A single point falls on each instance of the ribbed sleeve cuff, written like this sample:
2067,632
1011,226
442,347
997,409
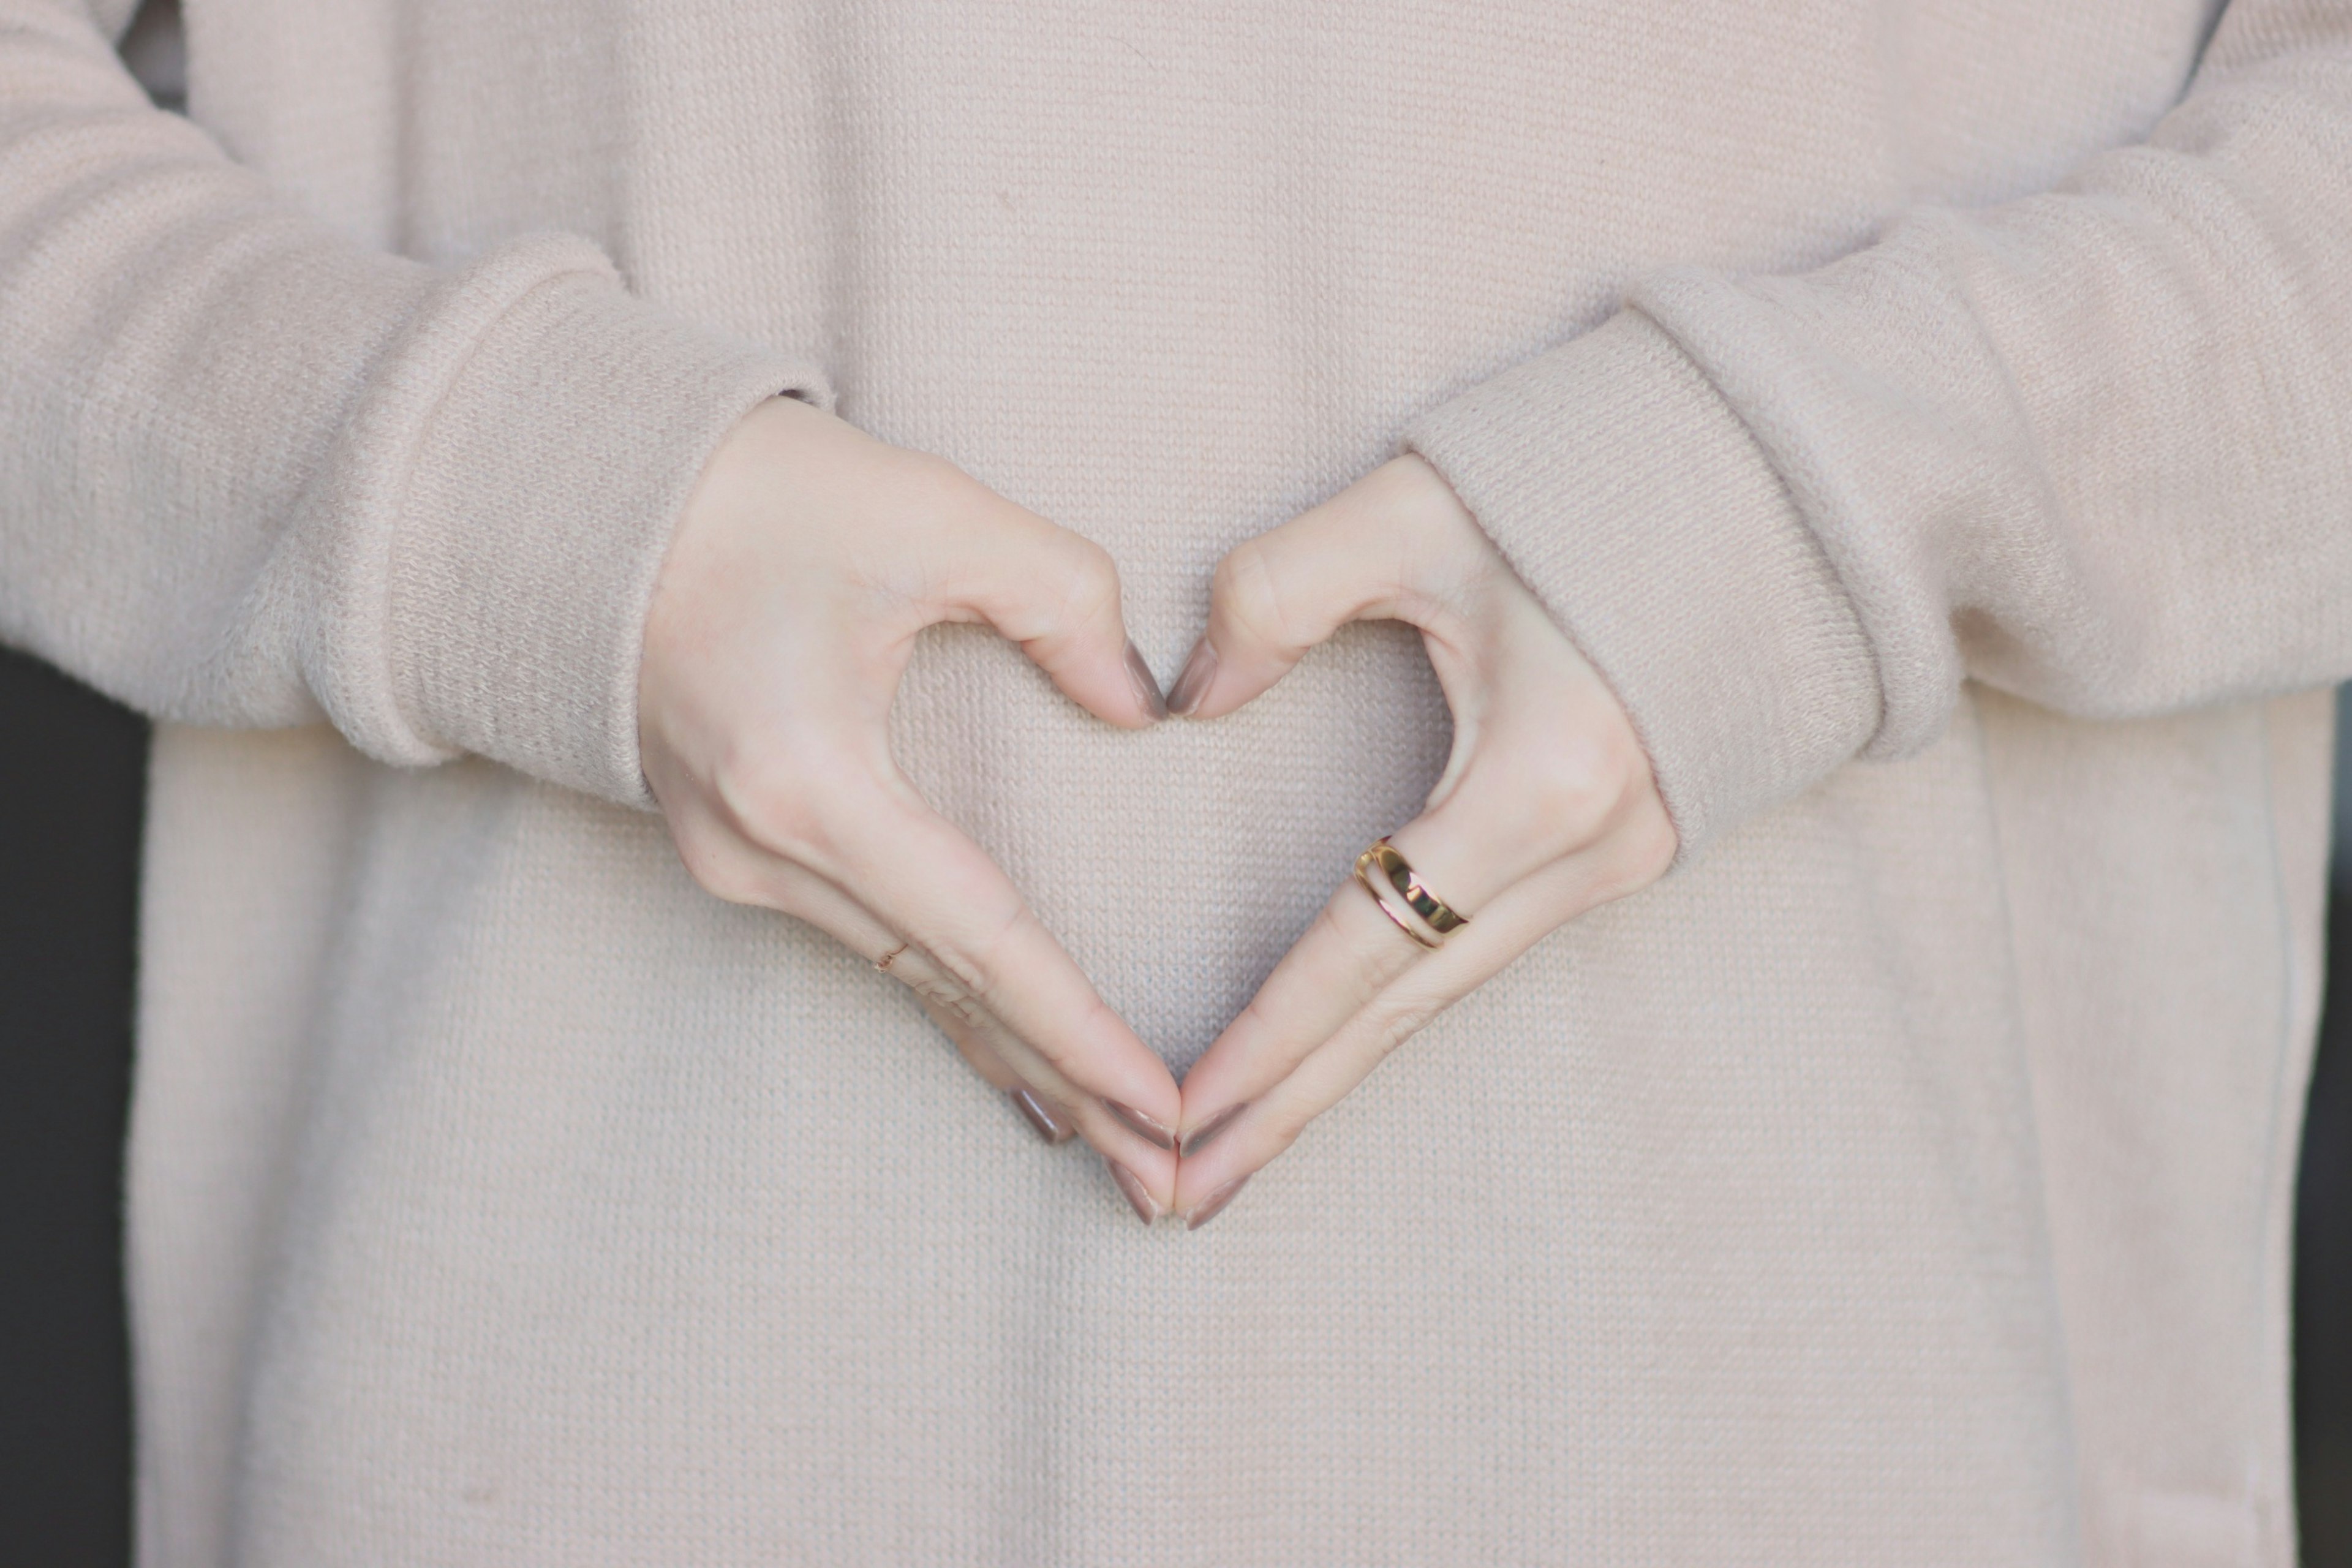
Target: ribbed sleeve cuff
540,500
1629,496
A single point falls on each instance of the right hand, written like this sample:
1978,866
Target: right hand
807,561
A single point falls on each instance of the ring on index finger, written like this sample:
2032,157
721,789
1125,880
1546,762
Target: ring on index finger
1397,888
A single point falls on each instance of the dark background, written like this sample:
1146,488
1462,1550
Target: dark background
72,771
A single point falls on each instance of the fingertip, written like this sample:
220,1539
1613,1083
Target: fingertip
1214,681
1191,1143
1192,683
1041,1116
1147,695
1142,1123
1205,1181
1148,1173
1139,1197
1208,1208
1210,686
1110,677
1210,1084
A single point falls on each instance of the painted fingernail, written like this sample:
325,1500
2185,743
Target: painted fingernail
1198,1139
1147,684
1131,1188
1040,1115
1192,680
1208,1208
1148,1128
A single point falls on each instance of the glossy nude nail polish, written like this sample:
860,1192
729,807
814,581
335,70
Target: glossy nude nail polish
1198,1139
1149,1129
1040,1115
1147,684
1208,1208
1131,1188
1192,680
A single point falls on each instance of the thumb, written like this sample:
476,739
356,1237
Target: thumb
1056,595
1273,597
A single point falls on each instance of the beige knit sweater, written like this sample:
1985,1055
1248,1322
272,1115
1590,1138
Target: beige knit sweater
1902,1180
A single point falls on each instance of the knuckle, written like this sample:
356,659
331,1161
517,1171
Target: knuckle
780,799
1243,588
1646,846
1377,952
1090,579
958,976
717,864
1578,782
946,995
1395,1023
973,965
1386,963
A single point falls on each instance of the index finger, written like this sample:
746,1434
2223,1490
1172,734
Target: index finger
926,878
1342,960
1513,922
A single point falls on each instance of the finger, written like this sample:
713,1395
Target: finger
826,810
1355,961
1364,554
1037,1093
937,541
987,1043
1351,952
755,876
1345,959
805,895
811,899
1146,1182
1056,595
922,877
1475,953
744,872
971,1037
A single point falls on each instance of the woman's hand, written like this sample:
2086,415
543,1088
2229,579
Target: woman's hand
807,561
1546,808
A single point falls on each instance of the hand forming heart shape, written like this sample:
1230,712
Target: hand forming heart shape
1546,808
774,649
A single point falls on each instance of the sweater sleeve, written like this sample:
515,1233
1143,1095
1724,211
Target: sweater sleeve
256,475
2092,448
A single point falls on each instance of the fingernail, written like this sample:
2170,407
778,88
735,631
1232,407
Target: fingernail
1198,1139
1192,680
1131,1188
1142,1126
1040,1115
1207,1208
1147,685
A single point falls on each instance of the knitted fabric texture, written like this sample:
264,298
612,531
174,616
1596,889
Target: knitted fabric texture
1931,417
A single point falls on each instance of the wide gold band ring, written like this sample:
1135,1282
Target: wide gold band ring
1397,888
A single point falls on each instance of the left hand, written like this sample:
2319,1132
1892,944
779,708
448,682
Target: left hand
1547,807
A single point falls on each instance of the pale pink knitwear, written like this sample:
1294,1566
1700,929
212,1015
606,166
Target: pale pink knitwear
1934,416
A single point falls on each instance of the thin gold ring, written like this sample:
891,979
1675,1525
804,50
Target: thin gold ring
887,959
1405,898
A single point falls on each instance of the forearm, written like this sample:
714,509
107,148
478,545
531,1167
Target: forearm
2092,447
256,475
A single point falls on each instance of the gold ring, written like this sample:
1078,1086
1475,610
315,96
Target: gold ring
889,958
1397,888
